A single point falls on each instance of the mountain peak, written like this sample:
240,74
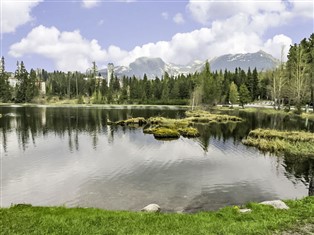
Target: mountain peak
260,60
156,67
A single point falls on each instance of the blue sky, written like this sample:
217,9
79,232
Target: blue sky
69,35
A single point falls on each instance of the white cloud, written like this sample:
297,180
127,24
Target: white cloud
205,11
165,15
90,3
16,13
303,8
178,18
69,50
273,46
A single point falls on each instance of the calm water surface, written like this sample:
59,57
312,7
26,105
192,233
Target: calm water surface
70,156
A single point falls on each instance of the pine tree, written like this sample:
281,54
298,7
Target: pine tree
32,88
255,82
5,89
23,82
244,95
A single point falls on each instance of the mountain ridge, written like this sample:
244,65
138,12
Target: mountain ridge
156,67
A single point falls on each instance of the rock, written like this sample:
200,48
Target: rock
277,204
245,210
151,208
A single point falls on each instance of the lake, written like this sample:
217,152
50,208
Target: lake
70,156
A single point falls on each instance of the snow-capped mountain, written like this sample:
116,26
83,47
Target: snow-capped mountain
156,67
261,60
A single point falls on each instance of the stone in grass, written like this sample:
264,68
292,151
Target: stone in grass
151,208
245,210
277,204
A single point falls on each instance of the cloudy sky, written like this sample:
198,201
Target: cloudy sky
69,35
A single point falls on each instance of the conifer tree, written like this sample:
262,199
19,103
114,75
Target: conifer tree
23,82
244,95
5,89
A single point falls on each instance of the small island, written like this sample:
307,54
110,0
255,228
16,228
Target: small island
166,128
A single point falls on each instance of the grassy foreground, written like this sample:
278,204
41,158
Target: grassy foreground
298,143
23,219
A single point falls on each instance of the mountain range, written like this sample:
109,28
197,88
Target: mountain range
156,67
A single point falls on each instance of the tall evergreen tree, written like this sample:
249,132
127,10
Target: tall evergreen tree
32,89
255,82
244,95
23,82
5,89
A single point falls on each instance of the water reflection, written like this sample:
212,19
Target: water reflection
71,156
302,169
33,122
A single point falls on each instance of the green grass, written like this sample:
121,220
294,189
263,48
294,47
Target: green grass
166,133
296,143
60,220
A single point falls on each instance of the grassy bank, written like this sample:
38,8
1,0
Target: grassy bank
60,220
297,143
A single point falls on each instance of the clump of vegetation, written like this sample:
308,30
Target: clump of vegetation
162,127
166,133
298,143
29,219
189,132
132,121
202,116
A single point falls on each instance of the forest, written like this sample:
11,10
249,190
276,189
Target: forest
290,83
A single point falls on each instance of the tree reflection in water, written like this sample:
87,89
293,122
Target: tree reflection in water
31,123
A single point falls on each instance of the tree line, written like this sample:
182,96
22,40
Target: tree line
291,83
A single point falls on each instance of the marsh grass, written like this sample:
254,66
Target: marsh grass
189,132
270,111
27,219
162,127
298,143
167,133
201,116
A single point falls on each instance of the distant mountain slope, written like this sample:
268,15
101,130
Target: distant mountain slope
156,67
261,60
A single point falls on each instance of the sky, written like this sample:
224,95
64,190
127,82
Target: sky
70,35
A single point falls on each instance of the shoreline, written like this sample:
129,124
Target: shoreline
106,106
